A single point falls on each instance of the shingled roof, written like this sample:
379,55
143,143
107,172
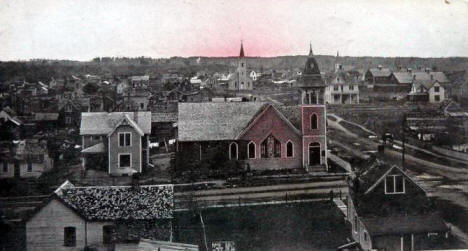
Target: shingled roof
100,123
215,121
408,77
103,203
380,72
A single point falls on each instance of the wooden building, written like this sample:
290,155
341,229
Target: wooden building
389,211
100,217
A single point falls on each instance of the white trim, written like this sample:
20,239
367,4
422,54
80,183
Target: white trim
394,183
125,139
120,154
237,150
292,144
248,150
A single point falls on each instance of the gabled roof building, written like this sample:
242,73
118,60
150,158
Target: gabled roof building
101,216
388,210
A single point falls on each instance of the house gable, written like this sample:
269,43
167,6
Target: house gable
274,119
409,185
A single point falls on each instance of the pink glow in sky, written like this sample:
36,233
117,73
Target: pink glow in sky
83,29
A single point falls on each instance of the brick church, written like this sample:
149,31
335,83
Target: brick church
261,135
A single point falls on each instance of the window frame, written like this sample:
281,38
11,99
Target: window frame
125,139
254,150
437,97
437,89
130,161
29,166
394,191
68,120
69,241
312,125
237,151
292,149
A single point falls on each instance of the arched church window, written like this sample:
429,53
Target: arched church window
251,150
289,149
314,121
271,148
233,150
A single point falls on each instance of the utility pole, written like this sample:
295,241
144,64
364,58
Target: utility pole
403,139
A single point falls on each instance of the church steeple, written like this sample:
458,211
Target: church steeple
241,54
311,53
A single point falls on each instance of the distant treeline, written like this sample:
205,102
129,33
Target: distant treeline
43,69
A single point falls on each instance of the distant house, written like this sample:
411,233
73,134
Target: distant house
135,100
118,140
257,135
139,81
388,210
431,91
379,75
100,217
26,159
70,114
46,121
10,125
342,88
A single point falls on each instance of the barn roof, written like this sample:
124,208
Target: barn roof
410,224
99,123
103,203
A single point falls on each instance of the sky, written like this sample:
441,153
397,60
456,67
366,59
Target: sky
84,29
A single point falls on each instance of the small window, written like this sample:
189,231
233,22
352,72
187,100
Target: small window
437,98
289,149
394,184
68,108
233,150
29,166
365,236
69,236
5,166
335,88
68,120
125,139
251,150
314,121
242,64
125,160
436,89
142,106
351,87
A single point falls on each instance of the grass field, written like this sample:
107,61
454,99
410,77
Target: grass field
305,226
